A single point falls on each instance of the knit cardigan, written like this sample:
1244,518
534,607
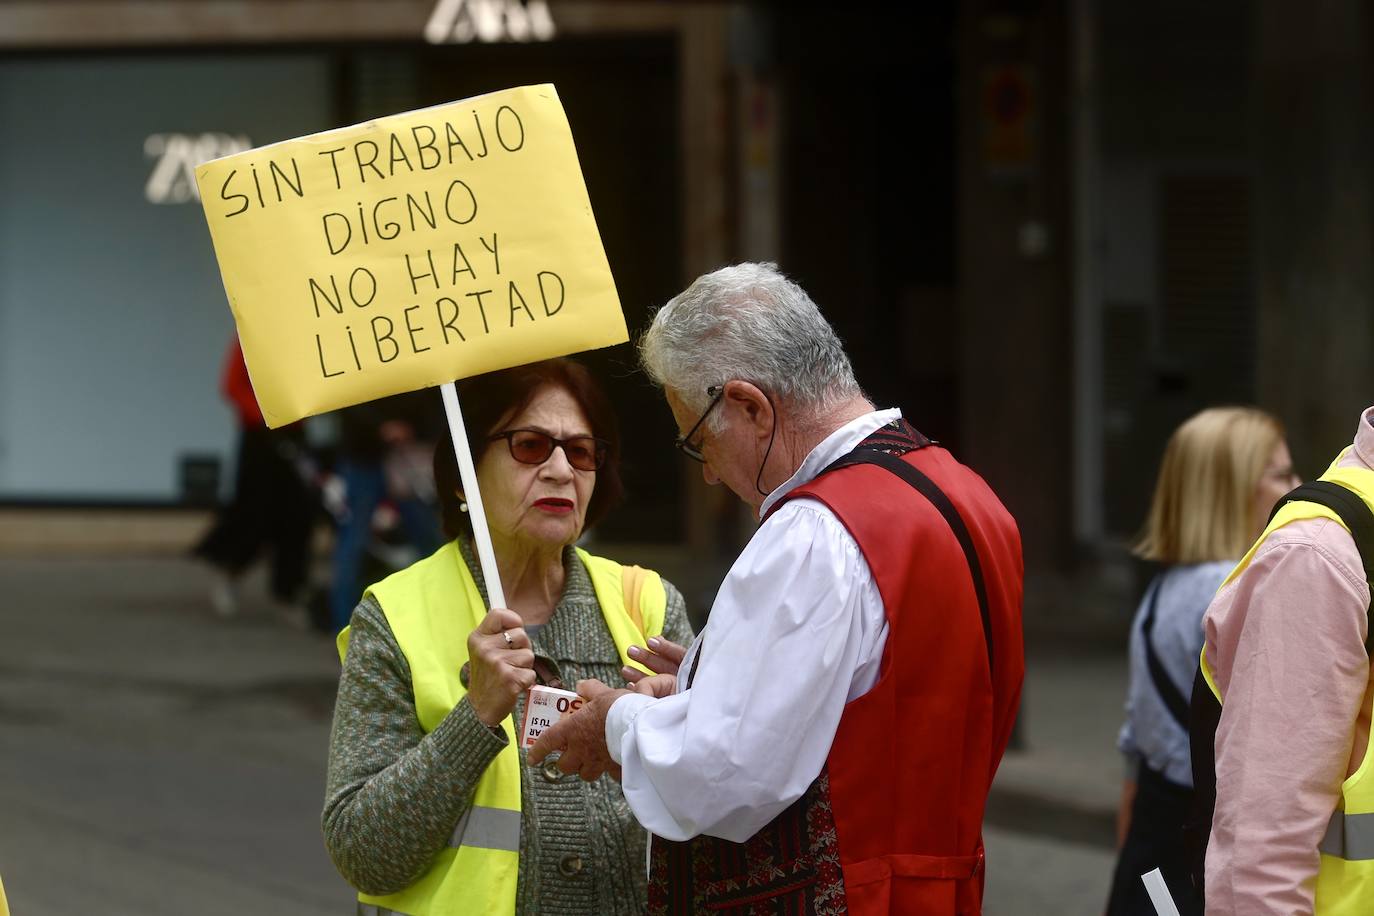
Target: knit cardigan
394,793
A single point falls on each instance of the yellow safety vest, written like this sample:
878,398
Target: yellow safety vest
432,607
1345,882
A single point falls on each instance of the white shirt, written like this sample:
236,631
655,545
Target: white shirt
796,631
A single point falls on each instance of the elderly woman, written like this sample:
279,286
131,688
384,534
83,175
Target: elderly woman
429,807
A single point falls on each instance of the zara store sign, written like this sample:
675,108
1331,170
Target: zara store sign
487,21
175,157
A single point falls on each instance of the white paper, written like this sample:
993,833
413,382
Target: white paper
1159,893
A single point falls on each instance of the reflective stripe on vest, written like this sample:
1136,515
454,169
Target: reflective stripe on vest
432,606
1345,879
1349,836
488,828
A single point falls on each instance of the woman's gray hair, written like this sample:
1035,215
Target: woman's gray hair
747,322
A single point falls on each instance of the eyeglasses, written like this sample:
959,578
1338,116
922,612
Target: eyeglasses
531,446
684,442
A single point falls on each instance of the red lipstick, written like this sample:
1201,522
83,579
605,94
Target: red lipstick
554,504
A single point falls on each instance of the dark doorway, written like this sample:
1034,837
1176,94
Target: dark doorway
621,99
869,193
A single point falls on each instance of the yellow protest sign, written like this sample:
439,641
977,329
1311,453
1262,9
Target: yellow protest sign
409,251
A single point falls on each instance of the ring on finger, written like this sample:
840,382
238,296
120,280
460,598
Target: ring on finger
510,643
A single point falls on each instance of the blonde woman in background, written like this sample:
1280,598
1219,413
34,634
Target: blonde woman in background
1223,471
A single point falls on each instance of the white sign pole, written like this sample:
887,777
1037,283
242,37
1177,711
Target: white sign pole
495,593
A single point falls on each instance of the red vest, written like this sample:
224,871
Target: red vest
914,758
893,824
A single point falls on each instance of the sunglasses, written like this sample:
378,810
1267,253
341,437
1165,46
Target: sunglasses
530,446
684,442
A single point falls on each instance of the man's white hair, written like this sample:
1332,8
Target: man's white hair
747,322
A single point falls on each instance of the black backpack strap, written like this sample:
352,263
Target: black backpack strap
1164,686
1354,512
927,488
1204,717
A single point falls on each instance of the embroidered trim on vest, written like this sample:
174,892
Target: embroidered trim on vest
790,866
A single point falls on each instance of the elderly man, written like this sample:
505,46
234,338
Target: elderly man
830,741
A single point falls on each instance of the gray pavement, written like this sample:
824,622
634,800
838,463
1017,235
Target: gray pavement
155,759
1050,830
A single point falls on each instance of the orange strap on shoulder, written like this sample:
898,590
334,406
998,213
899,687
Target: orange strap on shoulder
632,580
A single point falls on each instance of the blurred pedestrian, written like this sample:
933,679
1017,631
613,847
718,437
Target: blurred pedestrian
831,741
429,808
1287,640
1221,474
376,437
273,506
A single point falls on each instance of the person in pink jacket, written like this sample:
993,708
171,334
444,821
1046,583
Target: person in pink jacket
1285,642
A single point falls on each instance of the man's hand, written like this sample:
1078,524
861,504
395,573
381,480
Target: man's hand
662,656
581,737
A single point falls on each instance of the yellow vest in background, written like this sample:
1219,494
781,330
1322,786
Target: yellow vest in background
1345,882
432,607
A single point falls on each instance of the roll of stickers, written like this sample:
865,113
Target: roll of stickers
544,706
